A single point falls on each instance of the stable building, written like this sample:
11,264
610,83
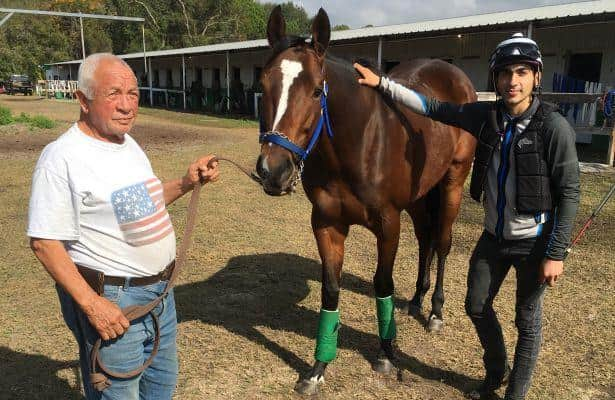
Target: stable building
576,40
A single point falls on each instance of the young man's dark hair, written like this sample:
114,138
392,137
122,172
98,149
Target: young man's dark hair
526,172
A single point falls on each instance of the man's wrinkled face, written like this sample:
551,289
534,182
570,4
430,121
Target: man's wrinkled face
113,109
516,82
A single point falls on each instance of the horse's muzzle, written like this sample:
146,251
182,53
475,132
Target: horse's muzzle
277,175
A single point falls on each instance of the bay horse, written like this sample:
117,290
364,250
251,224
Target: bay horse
376,160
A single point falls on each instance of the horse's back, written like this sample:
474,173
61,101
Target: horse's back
433,148
437,78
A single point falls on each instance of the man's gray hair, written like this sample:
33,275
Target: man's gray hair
88,67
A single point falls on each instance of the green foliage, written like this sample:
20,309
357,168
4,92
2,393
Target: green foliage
341,27
297,20
27,42
35,121
5,116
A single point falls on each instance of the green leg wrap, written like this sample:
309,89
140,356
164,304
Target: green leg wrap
386,317
326,339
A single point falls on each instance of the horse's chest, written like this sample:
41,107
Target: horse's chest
337,202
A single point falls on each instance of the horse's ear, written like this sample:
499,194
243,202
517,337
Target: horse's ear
321,32
276,27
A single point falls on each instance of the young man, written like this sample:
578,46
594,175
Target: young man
98,224
526,172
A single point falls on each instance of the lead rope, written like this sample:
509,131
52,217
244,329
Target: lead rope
99,380
250,174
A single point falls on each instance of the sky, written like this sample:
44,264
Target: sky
358,13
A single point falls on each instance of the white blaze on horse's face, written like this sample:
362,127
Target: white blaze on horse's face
290,71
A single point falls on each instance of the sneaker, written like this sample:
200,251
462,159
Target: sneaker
486,390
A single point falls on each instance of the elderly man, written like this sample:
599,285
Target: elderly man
99,226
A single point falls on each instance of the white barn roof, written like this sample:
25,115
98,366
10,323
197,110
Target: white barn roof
545,13
580,9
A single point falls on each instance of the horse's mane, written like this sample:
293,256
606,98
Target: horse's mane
344,72
300,42
288,42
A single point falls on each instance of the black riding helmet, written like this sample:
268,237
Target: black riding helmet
516,49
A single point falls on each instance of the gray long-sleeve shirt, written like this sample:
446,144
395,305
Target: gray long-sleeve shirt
561,156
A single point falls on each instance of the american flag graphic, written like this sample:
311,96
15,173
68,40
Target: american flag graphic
140,212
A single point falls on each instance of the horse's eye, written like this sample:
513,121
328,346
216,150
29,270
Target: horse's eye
317,93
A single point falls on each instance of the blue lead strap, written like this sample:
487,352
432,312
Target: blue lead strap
324,119
325,110
272,137
280,141
314,138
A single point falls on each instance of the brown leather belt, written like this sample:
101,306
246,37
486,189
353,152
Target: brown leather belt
97,279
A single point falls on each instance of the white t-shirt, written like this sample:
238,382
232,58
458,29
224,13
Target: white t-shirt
103,201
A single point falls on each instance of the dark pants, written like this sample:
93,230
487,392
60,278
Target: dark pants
489,265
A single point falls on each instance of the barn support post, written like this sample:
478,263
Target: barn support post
611,155
149,81
228,82
380,52
530,30
144,52
184,79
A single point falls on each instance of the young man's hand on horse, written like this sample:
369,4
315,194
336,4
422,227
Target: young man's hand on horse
107,318
369,78
550,270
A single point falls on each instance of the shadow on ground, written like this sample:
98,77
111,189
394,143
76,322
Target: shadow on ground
265,290
32,376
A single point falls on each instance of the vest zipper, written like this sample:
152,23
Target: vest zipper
502,174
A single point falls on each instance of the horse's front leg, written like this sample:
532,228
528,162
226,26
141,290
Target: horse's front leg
330,238
387,234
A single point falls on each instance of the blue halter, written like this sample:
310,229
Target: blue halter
283,141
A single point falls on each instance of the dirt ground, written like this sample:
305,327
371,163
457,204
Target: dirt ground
249,297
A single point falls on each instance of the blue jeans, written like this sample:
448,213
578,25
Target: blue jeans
129,351
489,265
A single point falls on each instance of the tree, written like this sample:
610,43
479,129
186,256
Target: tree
28,41
341,27
297,20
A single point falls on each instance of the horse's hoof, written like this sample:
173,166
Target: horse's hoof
414,310
309,386
383,366
435,324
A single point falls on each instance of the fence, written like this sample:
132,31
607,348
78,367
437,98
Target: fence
58,89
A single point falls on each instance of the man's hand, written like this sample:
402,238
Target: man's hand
550,270
368,77
106,318
203,170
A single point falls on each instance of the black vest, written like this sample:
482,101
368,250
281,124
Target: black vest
532,167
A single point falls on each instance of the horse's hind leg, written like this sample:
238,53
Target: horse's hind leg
330,240
451,190
387,233
424,226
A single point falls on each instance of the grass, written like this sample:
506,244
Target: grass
249,297
198,119
34,121
5,116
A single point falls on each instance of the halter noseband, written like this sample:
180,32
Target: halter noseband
284,141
